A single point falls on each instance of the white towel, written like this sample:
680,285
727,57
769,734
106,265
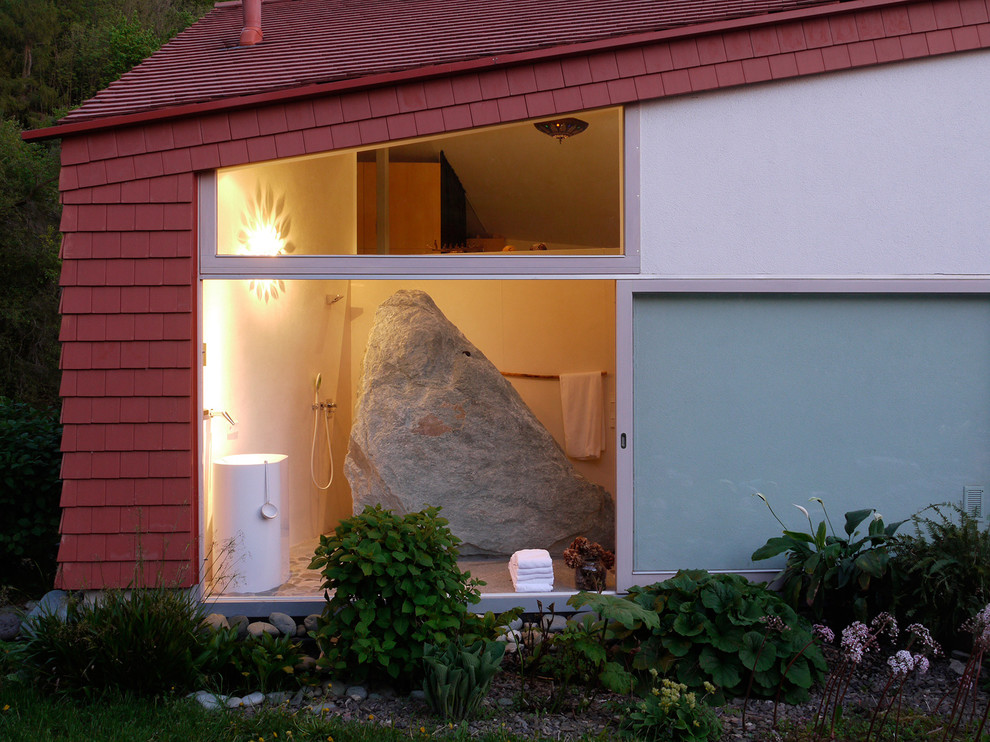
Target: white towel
543,574
529,574
533,587
531,558
531,571
581,401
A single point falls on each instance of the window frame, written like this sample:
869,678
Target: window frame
212,265
625,294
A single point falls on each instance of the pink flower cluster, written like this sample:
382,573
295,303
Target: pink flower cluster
857,641
924,638
979,627
823,633
774,623
903,662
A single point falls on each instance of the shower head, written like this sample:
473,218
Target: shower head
319,381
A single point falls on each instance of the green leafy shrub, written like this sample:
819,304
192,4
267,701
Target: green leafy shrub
837,578
944,572
588,650
392,585
29,492
669,711
231,665
711,628
144,642
457,677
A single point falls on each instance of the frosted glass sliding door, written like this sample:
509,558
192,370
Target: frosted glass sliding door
862,400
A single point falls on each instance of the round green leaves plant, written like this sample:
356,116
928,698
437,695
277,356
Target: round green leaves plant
392,585
716,628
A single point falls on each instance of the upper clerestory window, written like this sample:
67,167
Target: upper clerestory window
538,190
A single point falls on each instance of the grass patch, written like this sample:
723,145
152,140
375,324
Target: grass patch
914,726
27,715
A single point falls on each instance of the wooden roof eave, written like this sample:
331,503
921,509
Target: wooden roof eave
288,94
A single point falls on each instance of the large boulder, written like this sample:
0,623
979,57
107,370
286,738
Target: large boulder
437,424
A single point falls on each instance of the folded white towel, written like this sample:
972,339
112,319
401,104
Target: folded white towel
531,571
531,575
533,587
531,558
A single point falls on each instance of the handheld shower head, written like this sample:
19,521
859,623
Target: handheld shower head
319,381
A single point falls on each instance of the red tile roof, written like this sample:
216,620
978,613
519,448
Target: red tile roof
308,42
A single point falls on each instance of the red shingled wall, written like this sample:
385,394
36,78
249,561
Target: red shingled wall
129,254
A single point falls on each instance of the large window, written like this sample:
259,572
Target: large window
507,193
862,400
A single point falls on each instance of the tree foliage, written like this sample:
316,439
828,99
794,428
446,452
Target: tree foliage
53,56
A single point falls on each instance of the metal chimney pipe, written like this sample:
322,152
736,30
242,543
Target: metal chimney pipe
251,33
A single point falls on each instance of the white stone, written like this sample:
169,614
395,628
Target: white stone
254,699
437,424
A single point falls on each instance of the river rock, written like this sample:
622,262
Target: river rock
437,424
312,622
216,622
10,625
283,622
52,603
257,628
240,623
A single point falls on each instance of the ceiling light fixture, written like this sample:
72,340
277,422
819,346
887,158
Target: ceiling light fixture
561,129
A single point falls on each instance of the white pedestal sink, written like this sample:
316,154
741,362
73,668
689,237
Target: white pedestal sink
251,521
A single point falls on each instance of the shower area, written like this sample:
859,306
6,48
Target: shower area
282,373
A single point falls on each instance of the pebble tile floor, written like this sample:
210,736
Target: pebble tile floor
305,582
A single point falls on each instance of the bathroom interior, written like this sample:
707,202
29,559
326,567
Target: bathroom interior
282,357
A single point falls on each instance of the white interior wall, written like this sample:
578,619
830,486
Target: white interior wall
879,171
312,200
262,362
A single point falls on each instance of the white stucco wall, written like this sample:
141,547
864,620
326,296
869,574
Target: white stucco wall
881,171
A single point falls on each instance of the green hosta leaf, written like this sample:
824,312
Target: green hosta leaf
723,668
727,640
800,674
689,623
757,652
720,597
677,645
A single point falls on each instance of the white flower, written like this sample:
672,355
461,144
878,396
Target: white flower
857,641
921,664
902,662
823,633
803,510
877,516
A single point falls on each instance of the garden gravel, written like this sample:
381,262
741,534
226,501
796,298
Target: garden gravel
510,708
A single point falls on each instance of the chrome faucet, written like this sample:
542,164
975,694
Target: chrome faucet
220,413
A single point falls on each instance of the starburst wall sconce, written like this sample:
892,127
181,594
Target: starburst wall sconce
265,232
